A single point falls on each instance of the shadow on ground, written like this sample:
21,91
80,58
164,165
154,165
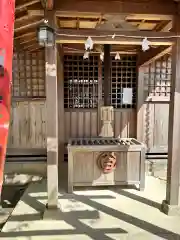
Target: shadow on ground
11,194
74,218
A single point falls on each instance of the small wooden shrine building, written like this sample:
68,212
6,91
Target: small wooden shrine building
48,109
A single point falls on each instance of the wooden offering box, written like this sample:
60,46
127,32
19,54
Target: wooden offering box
105,161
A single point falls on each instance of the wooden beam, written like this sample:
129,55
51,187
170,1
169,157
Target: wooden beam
167,8
22,18
36,49
107,72
29,46
30,25
39,12
36,13
153,54
116,7
29,34
28,41
151,17
27,4
122,37
167,28
170,205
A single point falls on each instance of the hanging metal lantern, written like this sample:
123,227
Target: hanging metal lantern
46,36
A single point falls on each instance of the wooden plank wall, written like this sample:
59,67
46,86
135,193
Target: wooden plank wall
124,123
28,125
157,84
28,112
84,123
156,126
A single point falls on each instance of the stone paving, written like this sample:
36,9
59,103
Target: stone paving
94,213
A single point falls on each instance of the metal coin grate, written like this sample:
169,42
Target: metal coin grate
103,141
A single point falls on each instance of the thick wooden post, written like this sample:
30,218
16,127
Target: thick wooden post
60,82
107,72
170,205
140,105
52,120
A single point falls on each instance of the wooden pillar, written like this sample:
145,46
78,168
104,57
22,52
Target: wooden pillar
107,75
100,100
60,83
140,105
170,205
52,120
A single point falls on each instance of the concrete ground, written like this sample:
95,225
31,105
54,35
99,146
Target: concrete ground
94,213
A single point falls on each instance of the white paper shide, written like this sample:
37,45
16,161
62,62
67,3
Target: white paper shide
127,95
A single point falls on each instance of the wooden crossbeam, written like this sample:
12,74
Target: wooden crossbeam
105,6
150,9
60,13
153,54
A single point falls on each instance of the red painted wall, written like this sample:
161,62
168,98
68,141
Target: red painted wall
7,15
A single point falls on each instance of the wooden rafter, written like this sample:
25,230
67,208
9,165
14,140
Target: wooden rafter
160,26
29,34
29,25
27,4
167,28
153,54
33,45
35,49
27,41
23,18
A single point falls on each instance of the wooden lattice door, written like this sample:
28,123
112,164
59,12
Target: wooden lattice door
80,96
157,84
84,94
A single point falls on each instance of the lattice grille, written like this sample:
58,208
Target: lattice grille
28,75
157,80
80,81
123,75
